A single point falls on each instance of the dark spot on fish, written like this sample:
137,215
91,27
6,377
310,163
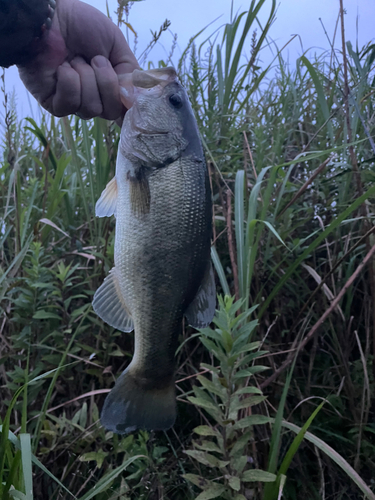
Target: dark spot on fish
176,101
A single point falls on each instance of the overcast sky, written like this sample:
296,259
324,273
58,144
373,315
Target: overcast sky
188,17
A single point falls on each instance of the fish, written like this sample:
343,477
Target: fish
162,272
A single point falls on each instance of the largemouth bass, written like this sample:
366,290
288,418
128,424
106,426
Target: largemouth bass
161,198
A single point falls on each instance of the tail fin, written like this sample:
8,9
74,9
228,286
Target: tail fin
129,406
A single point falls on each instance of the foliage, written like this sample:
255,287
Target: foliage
293,202
229,400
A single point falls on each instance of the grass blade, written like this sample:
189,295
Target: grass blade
25,444
239,216
220,271
320,92
336,457
13,439
105,481
334,224
297,442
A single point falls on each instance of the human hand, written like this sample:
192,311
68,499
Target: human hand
76,69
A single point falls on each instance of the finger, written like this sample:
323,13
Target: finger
67,98
108,41
121,57
91,104
107,81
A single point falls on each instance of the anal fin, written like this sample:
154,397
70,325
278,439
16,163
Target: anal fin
109,304
106,205
202,309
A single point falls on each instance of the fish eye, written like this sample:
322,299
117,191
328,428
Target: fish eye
176,101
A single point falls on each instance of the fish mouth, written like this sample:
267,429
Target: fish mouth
151,82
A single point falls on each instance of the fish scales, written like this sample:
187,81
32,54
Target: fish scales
160,261
162,199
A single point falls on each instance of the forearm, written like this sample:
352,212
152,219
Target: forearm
22,24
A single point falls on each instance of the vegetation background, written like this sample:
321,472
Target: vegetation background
276,399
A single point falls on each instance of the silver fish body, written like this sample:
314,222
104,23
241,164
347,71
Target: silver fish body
162,201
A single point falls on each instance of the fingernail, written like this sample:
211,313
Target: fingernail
100,62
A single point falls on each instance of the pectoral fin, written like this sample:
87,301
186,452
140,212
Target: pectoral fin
106,205
202,309
140,193
109,304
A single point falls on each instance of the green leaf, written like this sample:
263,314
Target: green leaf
239,211
234,483
206,459
258,475
205,430
42,314
274,232
76,164
293,448
199,481
243,423
246,402
241,443
26,455
15,264
248,390
336,457
212,347
209,332
250,371
214,387
248,358
220,271
320,93
243,335
213,492
203,404
211,368
269,490
208,446
13,439
25,222
97,456
17,494
249,347
239,463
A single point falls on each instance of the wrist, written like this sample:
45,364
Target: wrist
23,25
